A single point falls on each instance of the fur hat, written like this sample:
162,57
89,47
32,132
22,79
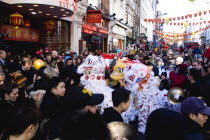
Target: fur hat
50,72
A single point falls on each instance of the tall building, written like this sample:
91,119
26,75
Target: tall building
148,11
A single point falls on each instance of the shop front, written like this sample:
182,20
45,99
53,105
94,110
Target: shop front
93,39
119,38
129,37
29,26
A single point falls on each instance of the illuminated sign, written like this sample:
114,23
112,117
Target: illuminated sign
94,16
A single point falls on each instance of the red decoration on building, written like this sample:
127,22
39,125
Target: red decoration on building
94,16
49,26
20,34
26,23
103,31
16,19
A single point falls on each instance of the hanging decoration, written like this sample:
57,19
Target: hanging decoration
167,21
16,20
49,26
175,35
26,23
180,17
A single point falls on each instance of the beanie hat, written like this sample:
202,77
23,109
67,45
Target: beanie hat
19,79
164,74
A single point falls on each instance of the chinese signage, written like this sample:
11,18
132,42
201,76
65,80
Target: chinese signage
103,31
93,30
94,16
20,34
89,27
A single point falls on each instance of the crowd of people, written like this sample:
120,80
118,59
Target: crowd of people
49,103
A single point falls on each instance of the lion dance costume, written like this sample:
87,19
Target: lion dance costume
93,79
145,94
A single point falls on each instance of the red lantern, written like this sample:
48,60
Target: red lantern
186,16
190,24
145,20
174,23
182,17
200,13
193,23
200,23
178,18
204,22
171,23
26,23
16,19
49,25
195,15
181,23
209,21
170,19
178,24
174,18
204,12
190,15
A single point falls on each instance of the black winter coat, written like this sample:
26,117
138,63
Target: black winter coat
53,113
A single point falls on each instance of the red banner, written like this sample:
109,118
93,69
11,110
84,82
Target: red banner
94,16
103,31
87,31
89,27
20,34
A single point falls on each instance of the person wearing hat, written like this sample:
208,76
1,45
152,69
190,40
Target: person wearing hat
146,60
195,113
164,84
82,100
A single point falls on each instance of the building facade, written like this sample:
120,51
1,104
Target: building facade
62,24
30,25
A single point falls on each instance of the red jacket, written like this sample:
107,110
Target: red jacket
178,80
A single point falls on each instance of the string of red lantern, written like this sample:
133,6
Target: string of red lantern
177,18
184,34
182,23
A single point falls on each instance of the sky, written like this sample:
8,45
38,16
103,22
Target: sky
182,7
